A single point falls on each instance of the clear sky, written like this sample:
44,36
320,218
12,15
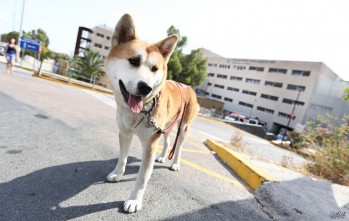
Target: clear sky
301,30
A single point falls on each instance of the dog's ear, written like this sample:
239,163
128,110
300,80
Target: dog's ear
167,46
124,32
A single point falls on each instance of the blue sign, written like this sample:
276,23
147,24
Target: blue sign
30,44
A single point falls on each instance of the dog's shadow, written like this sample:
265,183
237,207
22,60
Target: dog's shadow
37,195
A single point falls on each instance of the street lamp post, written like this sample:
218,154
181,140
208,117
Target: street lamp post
20,27
292,113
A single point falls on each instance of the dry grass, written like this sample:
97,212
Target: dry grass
237,141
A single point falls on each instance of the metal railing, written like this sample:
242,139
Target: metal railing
73,76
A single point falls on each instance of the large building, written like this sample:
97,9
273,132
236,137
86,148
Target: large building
275,91
95,39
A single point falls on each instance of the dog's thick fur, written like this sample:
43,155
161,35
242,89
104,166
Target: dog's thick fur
142,69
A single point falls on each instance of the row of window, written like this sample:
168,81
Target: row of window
268,83
265,96
261,69
224,66
222,76
101,46
102,36
248,105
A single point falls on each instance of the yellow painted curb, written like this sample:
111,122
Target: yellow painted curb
70,84
251,174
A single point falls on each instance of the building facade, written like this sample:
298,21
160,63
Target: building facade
285,94
96,39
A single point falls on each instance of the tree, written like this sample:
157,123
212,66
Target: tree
346,94
91,64
8,36
194,69
188,69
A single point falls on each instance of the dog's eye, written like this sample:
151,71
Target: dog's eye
154,69
135,61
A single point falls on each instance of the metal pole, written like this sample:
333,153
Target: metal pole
293,109
20,28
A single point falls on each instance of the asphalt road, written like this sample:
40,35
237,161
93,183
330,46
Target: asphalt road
58,143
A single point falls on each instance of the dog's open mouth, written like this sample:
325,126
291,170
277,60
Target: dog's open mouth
134,102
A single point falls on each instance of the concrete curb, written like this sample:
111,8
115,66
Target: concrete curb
251,174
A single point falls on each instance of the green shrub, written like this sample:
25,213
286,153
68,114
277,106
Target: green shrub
332,148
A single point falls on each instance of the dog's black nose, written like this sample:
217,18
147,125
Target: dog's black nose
143,88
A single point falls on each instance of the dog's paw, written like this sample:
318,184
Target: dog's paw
175,167
114,177
132,206
160,159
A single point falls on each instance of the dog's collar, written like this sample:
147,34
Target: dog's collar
148,113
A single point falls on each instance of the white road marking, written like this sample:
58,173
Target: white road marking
107,99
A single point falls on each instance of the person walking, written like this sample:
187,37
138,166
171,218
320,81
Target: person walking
11,55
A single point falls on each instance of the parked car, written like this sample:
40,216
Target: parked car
2,51
240,117
282,135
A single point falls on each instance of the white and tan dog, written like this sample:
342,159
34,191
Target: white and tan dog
147,104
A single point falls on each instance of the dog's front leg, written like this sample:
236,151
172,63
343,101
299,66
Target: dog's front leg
134,203
124,141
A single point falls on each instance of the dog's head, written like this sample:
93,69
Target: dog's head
136,69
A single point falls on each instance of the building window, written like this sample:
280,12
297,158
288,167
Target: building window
249,92
228,99
222,76
270,97
266,110
224,66
289,101
108,38
273,84
284,115
239,67
252,81
301,73
207,94
233,89
295,87
100,35
277,71
219,86
211,74
216,96
209,84
98,45
212,65
245,104
106,47
253,68
235,78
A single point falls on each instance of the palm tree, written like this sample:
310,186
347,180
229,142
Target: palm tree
91,64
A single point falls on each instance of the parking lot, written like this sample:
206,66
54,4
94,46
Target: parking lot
59,143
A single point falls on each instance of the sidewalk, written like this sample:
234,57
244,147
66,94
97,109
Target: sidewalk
299,197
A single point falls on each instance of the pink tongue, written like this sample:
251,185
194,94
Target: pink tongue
135,103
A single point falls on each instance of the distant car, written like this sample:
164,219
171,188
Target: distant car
282,135
2,51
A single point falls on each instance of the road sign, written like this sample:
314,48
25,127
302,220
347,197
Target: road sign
30,44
